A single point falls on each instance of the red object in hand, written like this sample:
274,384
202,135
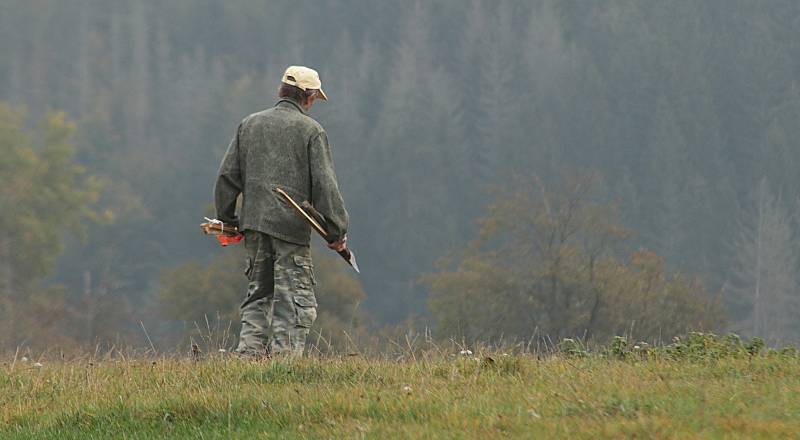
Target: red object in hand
225,240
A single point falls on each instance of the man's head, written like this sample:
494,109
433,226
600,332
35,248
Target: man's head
303,85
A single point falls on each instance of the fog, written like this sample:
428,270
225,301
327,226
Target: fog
686,111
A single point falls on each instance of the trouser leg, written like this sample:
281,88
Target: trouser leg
256,310
295,306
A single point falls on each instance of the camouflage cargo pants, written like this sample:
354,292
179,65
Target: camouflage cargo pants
280,306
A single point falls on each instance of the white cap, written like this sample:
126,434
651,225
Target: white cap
303,78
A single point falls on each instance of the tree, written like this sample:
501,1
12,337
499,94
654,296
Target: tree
766,297
44,196
545,262
667,168
681,106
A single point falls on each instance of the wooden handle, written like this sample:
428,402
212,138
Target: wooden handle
317,227
217,229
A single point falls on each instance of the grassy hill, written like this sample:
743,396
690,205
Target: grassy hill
566,395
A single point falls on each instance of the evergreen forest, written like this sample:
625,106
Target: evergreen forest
511,168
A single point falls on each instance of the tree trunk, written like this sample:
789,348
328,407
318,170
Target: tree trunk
757,323
6,270
90,305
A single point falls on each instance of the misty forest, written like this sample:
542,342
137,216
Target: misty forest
512,169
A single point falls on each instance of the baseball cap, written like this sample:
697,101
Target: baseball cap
303,78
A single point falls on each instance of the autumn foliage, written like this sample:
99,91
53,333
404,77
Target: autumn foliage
554,264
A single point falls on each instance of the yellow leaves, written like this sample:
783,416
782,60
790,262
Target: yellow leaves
647,260
107,216
58,131
545,260
44,194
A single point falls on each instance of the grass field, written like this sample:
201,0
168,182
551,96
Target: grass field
437,396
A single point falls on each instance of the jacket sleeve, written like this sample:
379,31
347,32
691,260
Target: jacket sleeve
229,183
325,195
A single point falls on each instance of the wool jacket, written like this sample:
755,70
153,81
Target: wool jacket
281,147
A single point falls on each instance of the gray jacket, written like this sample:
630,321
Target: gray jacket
281,147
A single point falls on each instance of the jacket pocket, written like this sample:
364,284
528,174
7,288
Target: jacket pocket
305,310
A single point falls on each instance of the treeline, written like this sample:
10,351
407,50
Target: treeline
687,110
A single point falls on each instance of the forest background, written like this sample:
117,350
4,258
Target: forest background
681,118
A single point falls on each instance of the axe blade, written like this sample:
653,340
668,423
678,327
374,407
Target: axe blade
317,222
351,259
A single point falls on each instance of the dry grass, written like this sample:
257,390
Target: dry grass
438,396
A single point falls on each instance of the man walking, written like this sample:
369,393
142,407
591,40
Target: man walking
281,147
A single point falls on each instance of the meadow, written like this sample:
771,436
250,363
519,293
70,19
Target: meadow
622,391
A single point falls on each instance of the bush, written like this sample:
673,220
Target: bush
695,346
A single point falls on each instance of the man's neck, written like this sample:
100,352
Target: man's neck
303,109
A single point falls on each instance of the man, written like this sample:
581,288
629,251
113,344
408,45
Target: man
281,147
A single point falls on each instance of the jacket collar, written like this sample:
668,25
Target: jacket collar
289,103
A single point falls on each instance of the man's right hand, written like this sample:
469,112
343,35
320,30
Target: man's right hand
339,245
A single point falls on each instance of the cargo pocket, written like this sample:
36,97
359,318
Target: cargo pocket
305,310
305,276
248,268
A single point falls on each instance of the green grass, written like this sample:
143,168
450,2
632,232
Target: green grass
441,396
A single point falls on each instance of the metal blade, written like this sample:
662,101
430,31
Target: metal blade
353,262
